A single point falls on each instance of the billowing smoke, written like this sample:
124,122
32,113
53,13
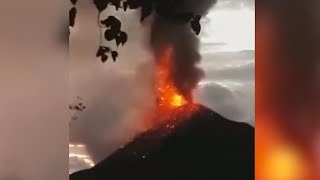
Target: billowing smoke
179,36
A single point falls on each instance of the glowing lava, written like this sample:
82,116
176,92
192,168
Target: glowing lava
178,100
168,96
171,104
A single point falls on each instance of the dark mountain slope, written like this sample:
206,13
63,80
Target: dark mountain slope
203,146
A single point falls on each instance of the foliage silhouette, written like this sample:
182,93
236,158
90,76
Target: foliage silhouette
195,24
112,26
79,106
114,55
100,4
72,16
74,2
112,22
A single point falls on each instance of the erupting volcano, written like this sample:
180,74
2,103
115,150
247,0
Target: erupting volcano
187,140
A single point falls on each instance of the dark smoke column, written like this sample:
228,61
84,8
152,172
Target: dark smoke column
169,29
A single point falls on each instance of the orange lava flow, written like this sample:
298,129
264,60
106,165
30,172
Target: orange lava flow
169,101
167,94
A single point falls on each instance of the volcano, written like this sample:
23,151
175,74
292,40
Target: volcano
199,146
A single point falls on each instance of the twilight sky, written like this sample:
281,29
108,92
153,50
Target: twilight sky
227,48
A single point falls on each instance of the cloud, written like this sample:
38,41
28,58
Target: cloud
228,87
242,73
235,104
235,66
225,56
234,4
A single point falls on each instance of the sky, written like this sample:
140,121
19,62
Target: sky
227,49
227,46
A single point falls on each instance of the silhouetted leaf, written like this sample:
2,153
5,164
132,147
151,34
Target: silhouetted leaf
145,12
107,49
195,24
118,40
102,50
73,1
114,55
125,6
112,22
133,4
116,3
101,4
110,34
122,38
72,16
104,58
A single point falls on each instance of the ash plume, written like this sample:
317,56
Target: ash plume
167,31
